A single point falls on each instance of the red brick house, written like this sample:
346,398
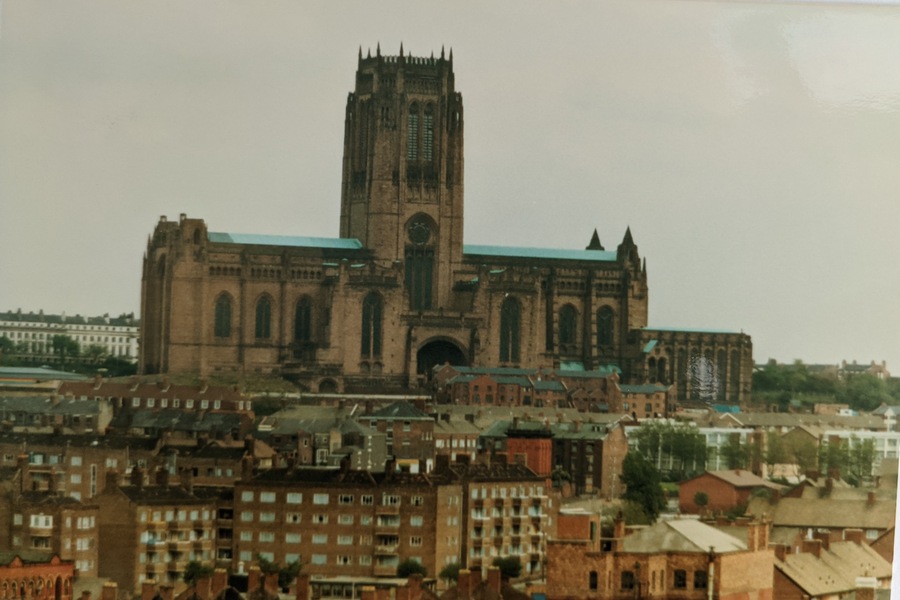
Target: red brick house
35,576
680,558
724,490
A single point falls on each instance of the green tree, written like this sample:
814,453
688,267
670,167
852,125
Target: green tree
865,392
559,476
860,460
94,354
642,483
735,453
195,571
510,566
676,449
776,451
64,347
411,566
450,573
701,499
286,574
802,451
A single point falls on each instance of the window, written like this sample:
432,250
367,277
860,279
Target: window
320,498
320,519
568,325
292,538
371,326
367,500
344,559
247,516
320,538
412,133
303,320
294,498
345,519
345,540
627,580
390,500
592,580
267,497
246,536
679,579
428,133
292,517
345,499
415,540
266,517
266,537
416,520
419,269
510,317
246,496
264,318
604,327
365,560
700,580
223,316
41,521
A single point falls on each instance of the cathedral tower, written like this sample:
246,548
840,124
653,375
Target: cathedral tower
402,187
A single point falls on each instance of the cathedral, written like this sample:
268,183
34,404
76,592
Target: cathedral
398,292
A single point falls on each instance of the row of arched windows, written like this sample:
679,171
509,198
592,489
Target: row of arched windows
420,133
511,321
263,318
35,587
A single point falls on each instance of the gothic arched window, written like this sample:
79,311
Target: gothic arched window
420,262
412,132
223,316
303,320
371,326
264,318
510,323
604,327
568,325
428,134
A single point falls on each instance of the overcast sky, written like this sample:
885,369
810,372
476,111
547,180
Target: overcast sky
753,148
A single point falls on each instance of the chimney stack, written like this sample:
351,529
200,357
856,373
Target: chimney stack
812,547
464,585
494,579
303,592
854,535
110,591
870,499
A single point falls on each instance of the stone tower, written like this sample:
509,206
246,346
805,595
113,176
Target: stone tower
402,186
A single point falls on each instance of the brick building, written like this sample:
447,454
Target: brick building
34,575
348,523
724,490
50,523
590,453
681,558
409,433
398,292
151,532
72,465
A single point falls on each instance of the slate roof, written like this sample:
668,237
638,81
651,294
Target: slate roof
26,556
836,513
178,420
681,535
117,442
835,570
791,420
399,410
160,494
741,478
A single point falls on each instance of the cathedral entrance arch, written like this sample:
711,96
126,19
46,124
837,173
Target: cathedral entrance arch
437,352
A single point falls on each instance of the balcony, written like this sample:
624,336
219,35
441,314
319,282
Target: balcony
387,509
386,550
385,570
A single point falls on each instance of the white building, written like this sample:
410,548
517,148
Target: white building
32,332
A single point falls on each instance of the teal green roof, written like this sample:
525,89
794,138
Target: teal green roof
297,241
545,253
649,346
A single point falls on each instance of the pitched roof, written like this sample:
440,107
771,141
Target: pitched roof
681,535
741,478
835,570
296,241
514,252
836,513
398,410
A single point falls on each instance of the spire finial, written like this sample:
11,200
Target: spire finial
628,239
595,242
401,49
442,52
378,49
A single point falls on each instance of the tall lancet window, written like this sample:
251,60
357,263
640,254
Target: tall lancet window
510,322
420,262
371,326
412,133
428,133
223,316
264,318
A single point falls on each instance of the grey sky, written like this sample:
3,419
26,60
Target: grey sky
752,147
